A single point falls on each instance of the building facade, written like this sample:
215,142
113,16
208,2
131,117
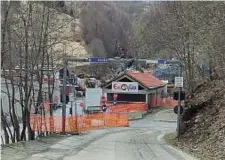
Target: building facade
135,87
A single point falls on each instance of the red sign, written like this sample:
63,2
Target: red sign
103,99
81,104
115,95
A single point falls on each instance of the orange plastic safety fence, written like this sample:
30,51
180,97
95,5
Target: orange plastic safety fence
132,107
128,107
81,123
163,102
116,120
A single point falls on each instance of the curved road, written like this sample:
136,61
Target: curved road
140,141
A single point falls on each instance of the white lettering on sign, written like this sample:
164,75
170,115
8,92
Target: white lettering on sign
178,81
125,86
71,97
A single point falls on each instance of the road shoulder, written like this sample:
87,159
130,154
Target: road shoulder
170,143
24,149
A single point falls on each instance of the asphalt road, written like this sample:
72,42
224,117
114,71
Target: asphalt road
140,141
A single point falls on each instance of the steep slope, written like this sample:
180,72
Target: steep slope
205,134
62,31
69,38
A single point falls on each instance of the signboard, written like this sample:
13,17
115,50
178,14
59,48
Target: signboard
161,61
124,87
178,81
98,60
104,107
175,109
71,97
176,95
78,107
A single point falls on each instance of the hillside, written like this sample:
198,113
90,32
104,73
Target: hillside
69,37
63,32
205,132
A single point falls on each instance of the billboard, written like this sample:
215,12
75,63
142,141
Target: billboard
124,87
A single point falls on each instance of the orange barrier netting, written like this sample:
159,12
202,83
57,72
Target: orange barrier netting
163,102
140,106
128,107
80,123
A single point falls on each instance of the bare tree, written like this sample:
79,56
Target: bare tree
185,31
30,32
9,80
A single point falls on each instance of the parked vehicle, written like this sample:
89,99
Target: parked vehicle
92,100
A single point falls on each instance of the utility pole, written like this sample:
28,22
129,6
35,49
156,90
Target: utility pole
179,105
76,118
64,97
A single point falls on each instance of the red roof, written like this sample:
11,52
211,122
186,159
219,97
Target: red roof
146,78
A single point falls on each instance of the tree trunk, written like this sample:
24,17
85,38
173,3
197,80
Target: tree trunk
23,133
10,106
31,133
3,120
14,116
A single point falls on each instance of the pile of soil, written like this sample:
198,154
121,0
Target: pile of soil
204,135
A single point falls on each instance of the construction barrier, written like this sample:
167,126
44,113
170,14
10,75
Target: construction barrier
140,106
162,102
128,107
80,123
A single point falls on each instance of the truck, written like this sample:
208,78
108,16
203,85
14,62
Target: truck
93,100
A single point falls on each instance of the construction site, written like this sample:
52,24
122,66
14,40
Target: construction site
131,94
